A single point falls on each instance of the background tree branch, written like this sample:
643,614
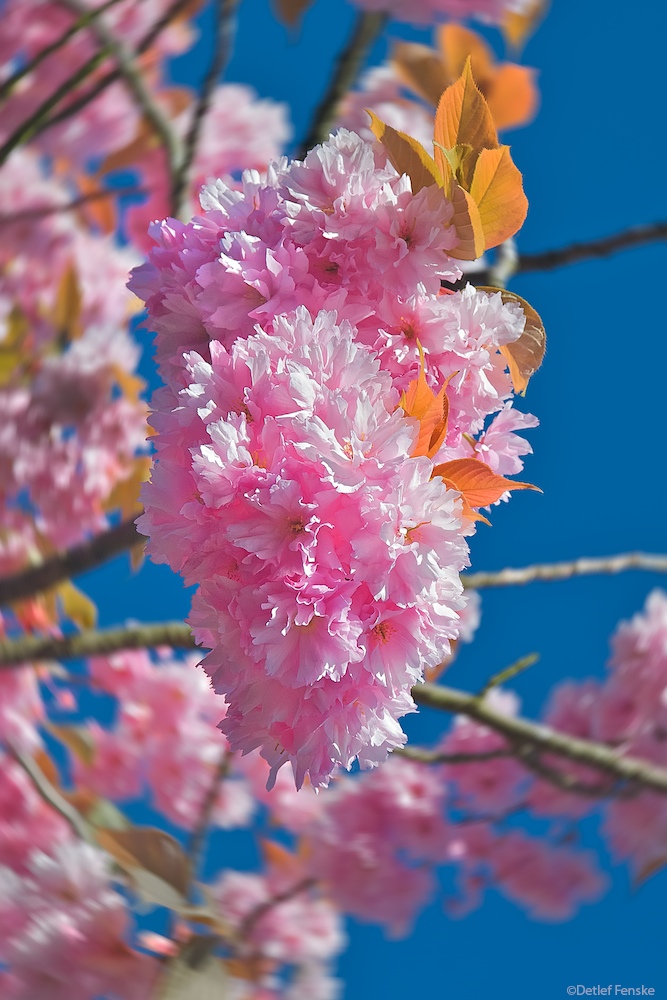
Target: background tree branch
225,22
77,560
367,28
566,570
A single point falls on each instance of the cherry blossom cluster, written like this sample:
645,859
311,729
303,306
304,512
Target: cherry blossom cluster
69,430
289,317
302,931
163,739
64,929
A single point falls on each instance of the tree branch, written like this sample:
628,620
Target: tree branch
282,897
32,125
566,570
29,67
196,845
40,211
539,738
95,642
367,27
136,84
550,259
61,567
172,12
222,45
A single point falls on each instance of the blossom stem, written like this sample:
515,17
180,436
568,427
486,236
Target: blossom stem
225,27
29,67
566,570
368,26
77,560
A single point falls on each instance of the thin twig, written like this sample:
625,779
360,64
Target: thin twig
198,838
40,211
566,782
547,260
368,26
520,732
423,756
566,570
30,66
94,642
282,897
509,672
172,12
136,84
32,125
224,11
77,560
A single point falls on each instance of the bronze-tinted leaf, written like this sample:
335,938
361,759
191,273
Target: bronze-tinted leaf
456,44
406,154
467,223
420,69
155,862
517,25
525,355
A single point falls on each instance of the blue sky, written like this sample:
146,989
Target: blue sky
593,164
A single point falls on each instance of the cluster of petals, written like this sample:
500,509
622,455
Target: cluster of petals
628,710
289,317
64,928
68,432
239,132
300,929
164,738
380,837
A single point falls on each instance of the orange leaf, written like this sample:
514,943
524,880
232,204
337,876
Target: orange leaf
517,26
525,355
432,412
467,223
456,44
67,307
512,96
463,118
406,154
478,485
497,190
100,209
420,69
